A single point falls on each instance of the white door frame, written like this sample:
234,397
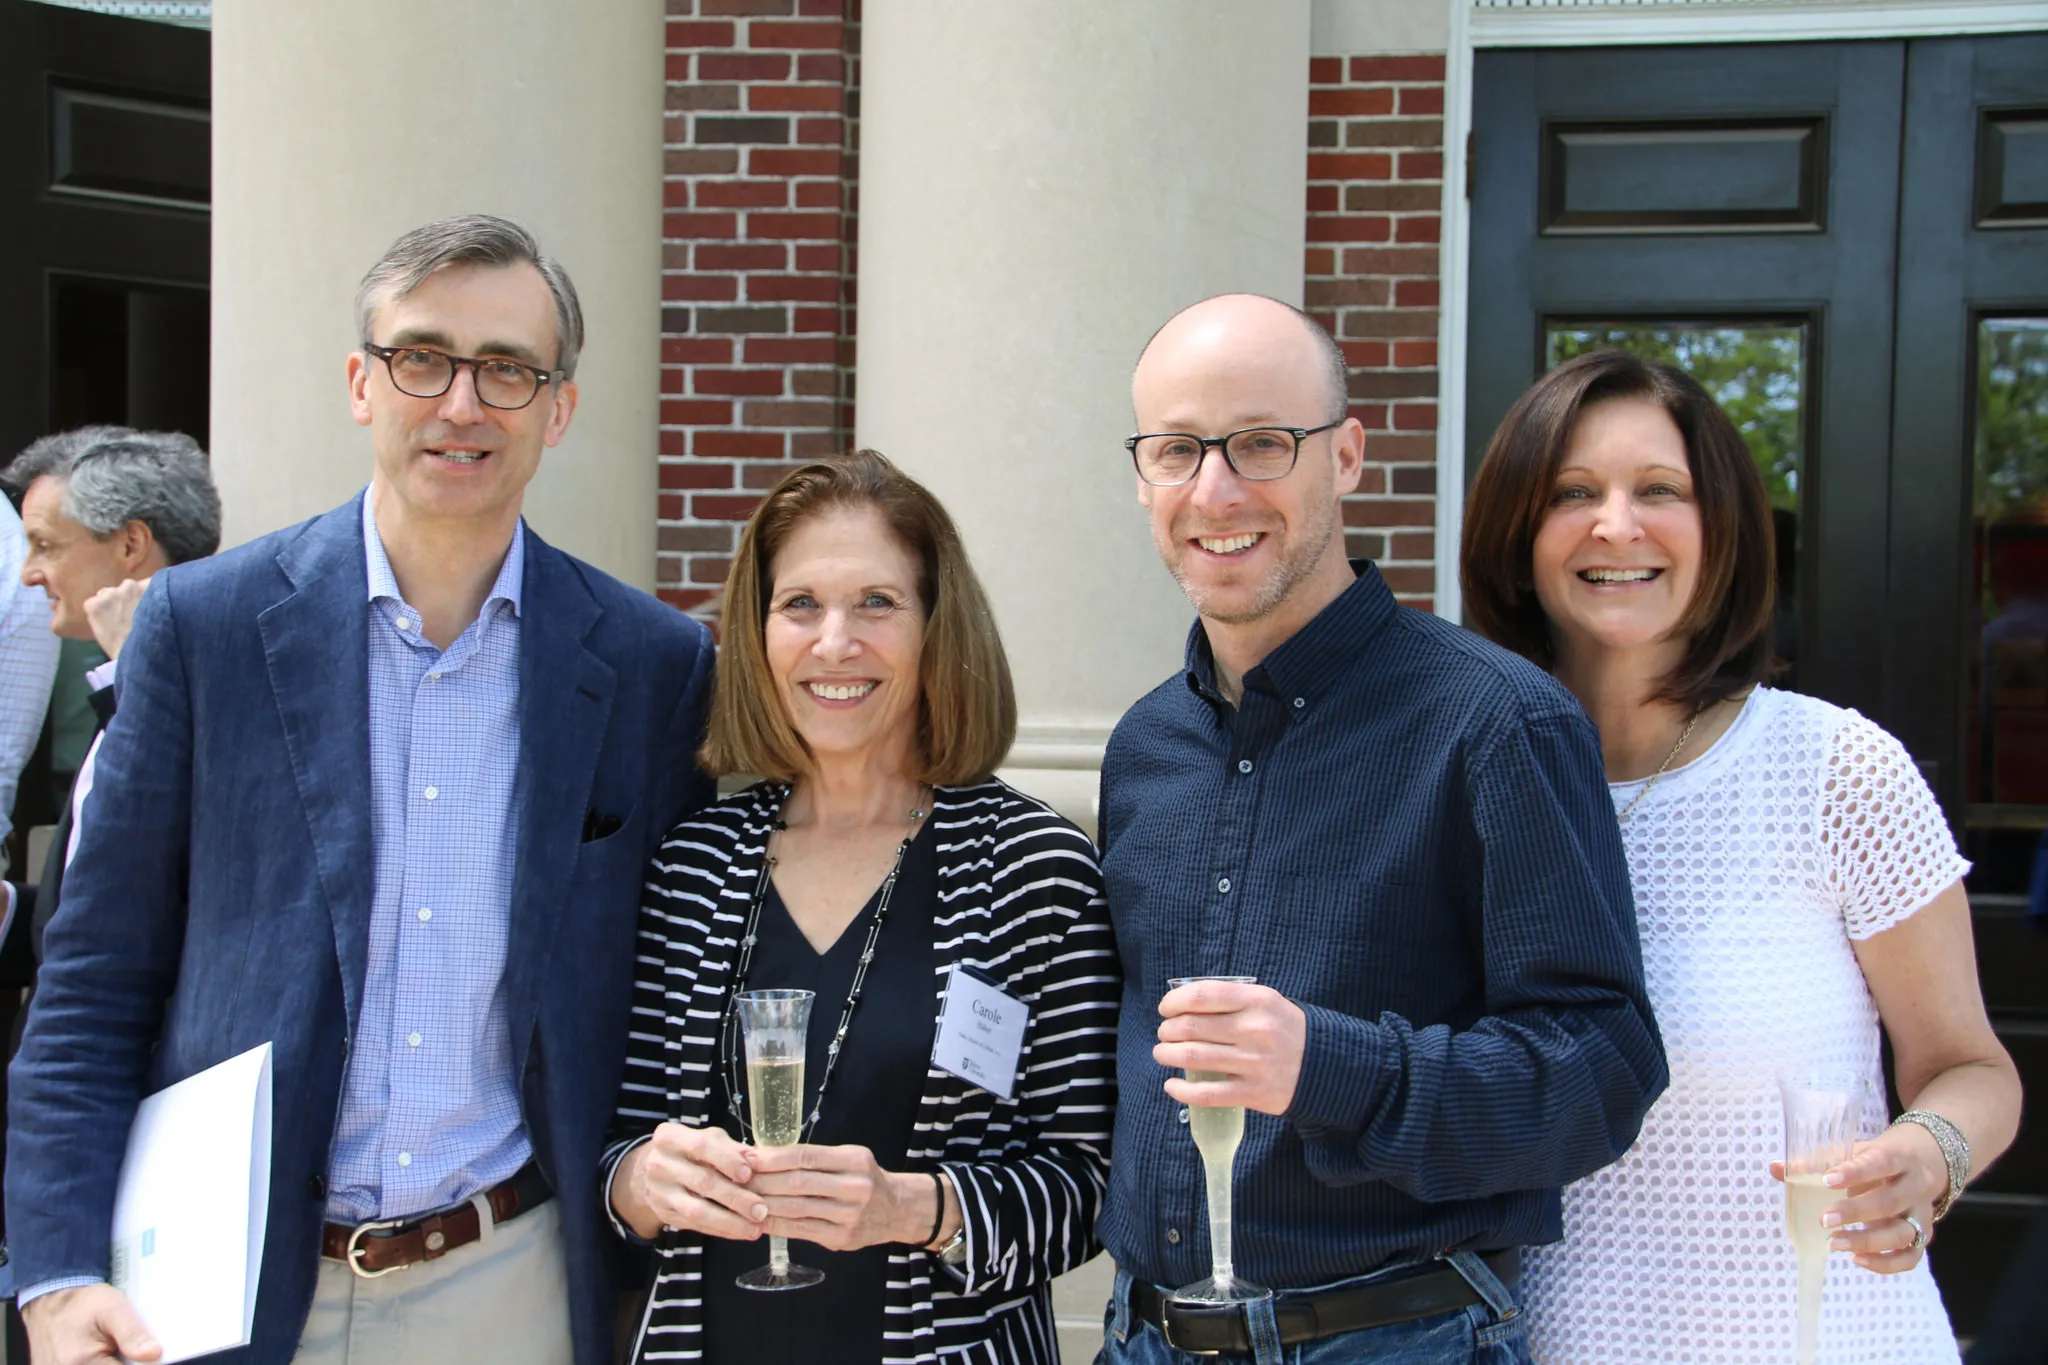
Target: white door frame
1604,23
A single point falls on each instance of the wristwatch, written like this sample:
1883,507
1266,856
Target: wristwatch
954,1252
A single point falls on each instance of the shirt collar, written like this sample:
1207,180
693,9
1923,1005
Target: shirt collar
1307,662
384,583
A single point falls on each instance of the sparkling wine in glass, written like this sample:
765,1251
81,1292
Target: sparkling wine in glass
772,1029
1217,1130
1822,1108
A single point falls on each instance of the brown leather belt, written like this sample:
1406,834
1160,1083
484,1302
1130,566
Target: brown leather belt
1216,1328
372,1249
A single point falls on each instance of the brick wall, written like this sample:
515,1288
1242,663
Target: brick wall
758,320
1375,177
757,270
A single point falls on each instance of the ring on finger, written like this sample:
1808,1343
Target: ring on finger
1919,1232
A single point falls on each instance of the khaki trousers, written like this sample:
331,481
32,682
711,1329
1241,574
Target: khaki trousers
504,1298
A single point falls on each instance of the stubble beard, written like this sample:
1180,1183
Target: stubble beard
1298,559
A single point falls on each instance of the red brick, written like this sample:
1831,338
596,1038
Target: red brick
694,98
1414,417
1415,293
1319,260
792,350
817,445
685,599
675,194
1346,228
1372,416
787,414
1422,99
818,320
677,67
816,132
669,506
696,35
814,383
793,288
1422,166
817,194
1409,578
765,476
817,37
1414,480
1322,199
833,9
1325,70
696,350
1412,544
708,507
1406,323
1372,511
742,194
792,161
701,161
745,256
1390,261
1347,292
671,443
699,288
745,383
726,225
825,99
1421,228
1350,166
677,477
1365,355
821,66
674,380
785,225
748,7
1414,355
695,414
1350,103
708,569
737,445
1421,68
743,66
1409,449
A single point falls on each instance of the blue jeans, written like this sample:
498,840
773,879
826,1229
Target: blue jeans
1488,1333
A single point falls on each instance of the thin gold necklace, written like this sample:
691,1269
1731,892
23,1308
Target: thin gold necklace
1665,766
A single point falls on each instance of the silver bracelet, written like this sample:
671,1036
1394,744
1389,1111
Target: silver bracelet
1955,1150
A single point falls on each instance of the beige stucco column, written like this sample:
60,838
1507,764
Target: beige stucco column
1041,185
336,127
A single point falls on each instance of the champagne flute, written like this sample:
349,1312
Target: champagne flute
1822,1108
1217,1130
773,1025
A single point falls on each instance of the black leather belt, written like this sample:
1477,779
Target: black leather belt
1217,1328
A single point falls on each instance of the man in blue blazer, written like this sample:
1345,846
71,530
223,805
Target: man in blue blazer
380,792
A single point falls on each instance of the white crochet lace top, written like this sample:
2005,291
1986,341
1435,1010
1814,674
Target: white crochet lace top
1802,828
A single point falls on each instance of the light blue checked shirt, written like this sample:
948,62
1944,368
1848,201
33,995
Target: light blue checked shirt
430,1107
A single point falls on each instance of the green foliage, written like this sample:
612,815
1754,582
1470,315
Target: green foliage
1756,372
2012,419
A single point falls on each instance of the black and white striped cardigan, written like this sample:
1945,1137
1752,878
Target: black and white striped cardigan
1019,898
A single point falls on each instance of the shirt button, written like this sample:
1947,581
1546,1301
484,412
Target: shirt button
433,677
405,1158
405,623
412,1039
1173,1236
425,914
1183,1113
1223,885
431,792
1244,765
1300,702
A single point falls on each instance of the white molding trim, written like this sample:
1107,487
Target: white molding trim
1059,747
1453,285
1741,21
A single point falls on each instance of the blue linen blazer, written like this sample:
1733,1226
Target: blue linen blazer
220,896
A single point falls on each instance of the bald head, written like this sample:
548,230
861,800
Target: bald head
1245,335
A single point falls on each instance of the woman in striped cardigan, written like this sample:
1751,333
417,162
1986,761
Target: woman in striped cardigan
879,865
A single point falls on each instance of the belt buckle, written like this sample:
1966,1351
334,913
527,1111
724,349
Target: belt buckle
351,1251
1194,1310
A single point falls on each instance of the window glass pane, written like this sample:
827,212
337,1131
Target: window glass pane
2008,665
1756,371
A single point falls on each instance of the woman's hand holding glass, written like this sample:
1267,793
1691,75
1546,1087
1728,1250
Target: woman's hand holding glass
694,1179
1897,1174
841,1199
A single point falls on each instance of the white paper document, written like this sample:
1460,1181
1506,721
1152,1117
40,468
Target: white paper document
981,1033
192,1206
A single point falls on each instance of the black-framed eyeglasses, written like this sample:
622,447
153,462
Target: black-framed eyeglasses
1166,458
426,373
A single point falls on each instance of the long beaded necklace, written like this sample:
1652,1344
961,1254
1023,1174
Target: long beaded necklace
1662,768
728,1031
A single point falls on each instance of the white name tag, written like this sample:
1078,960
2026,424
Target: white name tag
981,1034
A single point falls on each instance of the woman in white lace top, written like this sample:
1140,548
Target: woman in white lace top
1796,887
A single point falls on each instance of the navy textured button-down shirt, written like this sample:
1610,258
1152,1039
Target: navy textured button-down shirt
1406,831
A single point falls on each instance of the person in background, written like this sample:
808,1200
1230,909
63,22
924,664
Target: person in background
380,792
28,664
1400,831
884,868
1797,886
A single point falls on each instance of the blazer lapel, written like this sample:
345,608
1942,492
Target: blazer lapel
316,645
565,703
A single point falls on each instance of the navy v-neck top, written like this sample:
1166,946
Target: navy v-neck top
872,1101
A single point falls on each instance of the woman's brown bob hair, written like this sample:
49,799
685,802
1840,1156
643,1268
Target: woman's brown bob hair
1727,625
967,708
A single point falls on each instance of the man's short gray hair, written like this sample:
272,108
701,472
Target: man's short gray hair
471,239
115,475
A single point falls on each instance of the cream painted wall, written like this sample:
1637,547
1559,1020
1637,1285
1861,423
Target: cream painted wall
1041,186
1345,28
339,126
